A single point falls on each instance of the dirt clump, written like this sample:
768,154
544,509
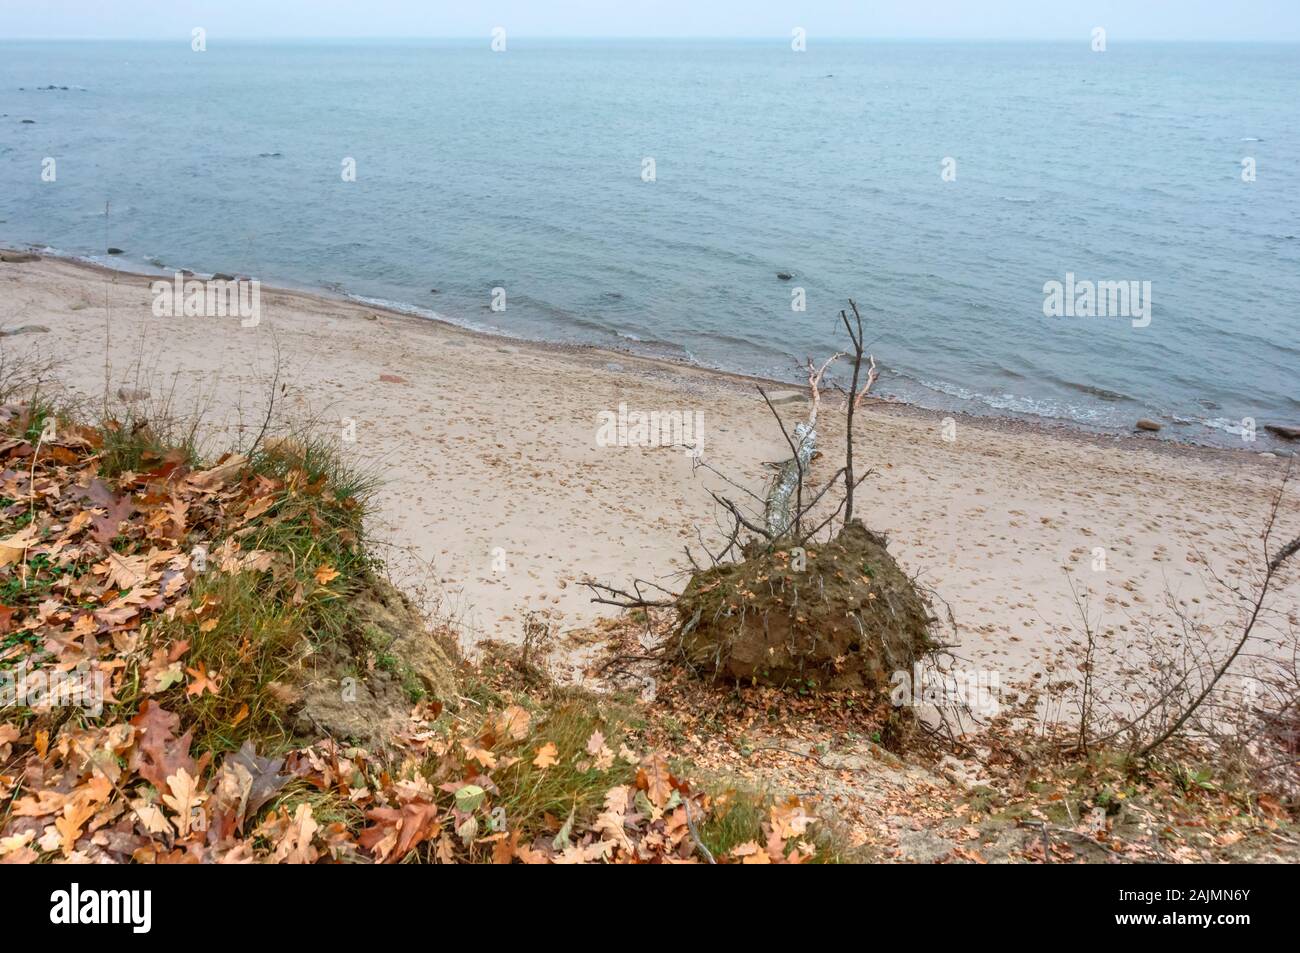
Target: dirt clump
839,615
365,694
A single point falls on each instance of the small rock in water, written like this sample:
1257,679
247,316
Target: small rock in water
1147,424
222,276
29,122
116,251
1286,433
784,275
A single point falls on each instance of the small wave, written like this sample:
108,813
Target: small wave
1019,404
123,263
403,307
1234,427
1092,390
653,346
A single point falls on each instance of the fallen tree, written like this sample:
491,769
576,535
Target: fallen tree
797,600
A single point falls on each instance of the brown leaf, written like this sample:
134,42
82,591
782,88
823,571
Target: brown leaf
419,823
218,475
295,846
159,753
547,755
264,772
481,755
13,548
513,723
75,814
203,681
184,799
654,778
125,572
117,510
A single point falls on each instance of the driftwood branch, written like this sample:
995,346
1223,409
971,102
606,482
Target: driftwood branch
856,393
613,596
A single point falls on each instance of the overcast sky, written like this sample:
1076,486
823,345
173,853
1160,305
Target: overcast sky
893,19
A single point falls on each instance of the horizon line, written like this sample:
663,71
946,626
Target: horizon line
759,38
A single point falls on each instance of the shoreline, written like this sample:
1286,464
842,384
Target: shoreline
1014,421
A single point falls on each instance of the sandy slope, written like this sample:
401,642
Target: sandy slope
489,445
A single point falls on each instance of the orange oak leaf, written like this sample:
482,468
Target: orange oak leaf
203,681
654,778
547,755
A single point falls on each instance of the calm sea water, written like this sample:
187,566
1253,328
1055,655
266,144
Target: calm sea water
523,170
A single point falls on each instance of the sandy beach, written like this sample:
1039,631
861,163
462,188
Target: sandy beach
497,500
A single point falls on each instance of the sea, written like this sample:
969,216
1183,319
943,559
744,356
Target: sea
719,202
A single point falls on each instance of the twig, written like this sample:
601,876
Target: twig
695,835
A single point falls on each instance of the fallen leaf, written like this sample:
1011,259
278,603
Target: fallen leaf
513,723
547,755
184,799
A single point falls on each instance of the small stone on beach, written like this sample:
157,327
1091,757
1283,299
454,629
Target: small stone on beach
1148,424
